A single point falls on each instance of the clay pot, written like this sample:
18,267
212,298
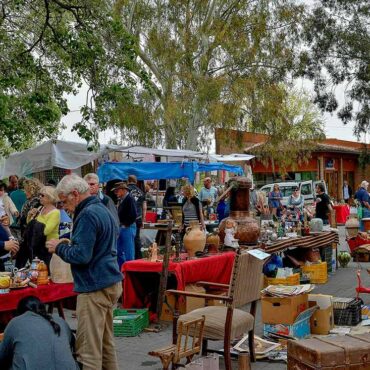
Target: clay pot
194,239
213,242
352,226
247,231
43,274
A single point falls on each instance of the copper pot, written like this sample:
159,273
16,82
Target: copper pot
247,231
213,242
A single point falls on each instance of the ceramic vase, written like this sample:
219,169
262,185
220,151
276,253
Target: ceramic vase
352,226
194,239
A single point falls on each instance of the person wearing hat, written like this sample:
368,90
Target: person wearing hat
141,206
363,198
127,215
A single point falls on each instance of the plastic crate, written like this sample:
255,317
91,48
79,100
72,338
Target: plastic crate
326,256
318,272
290,280
350,315
130,322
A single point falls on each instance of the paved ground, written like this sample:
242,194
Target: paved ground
132,352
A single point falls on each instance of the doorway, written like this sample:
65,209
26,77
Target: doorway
331,179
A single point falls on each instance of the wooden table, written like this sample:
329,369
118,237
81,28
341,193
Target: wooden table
141,277
314,240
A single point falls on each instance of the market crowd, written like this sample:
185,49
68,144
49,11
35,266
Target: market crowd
76,221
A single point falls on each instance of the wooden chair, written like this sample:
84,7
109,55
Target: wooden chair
187,345
228,322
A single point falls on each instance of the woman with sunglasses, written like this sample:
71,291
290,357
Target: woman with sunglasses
49,216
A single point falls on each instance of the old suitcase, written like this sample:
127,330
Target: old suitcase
347,352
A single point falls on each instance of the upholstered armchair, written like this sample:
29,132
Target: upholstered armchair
228,322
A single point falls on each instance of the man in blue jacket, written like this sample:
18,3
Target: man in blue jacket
92,255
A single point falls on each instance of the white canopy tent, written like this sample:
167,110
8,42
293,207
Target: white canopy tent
175,154
72,155
52,153
167,155
235,157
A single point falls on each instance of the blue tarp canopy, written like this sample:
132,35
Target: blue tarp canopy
159,170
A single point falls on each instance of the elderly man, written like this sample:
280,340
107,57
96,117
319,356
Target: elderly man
93,180
363,198
93,258
208,194
127,214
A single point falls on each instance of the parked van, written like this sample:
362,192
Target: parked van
307,189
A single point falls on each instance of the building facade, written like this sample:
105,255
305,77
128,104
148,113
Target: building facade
332,160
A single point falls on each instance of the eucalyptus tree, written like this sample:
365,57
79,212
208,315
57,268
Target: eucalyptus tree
337,53
209,63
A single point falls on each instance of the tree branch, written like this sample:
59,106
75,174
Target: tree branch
131,15
47,17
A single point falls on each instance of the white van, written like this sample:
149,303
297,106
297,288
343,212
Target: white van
307,189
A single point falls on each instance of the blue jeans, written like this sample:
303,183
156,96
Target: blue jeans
126,244
365,214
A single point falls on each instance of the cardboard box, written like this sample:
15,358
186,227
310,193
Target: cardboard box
299,329
216,302
283,310
322,320
186,304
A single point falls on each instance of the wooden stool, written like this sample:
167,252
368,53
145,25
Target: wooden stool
189,343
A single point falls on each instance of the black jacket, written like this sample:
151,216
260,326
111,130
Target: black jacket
33,244
127,212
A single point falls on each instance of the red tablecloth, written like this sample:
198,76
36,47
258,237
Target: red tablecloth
341,213
47,294
215,269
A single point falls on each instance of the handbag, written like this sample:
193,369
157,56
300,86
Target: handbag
60,271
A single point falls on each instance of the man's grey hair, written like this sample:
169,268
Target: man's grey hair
91,176
72,182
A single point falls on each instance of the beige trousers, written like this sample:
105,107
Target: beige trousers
94,340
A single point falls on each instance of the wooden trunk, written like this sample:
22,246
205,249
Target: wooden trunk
348,352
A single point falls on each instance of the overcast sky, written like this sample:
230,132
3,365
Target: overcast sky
334,128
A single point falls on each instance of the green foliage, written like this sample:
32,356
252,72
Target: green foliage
209,64
364,157
337,35
49,49
293,133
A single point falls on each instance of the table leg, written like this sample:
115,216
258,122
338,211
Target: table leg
60,309
50,308
164,273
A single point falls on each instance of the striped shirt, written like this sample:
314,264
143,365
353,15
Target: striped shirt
190,212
